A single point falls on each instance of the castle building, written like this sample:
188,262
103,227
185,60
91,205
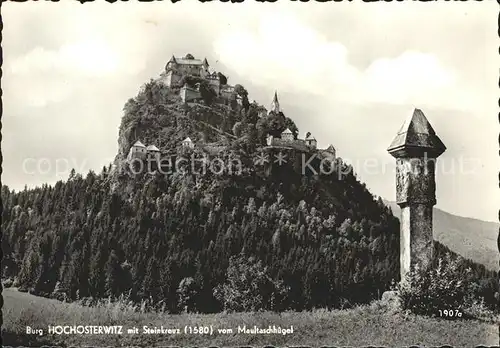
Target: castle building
311,141
189,94
187,143
239,100
214,81
177,67
153,153
287,135
330,151
138,150
226,92
261,111
275,105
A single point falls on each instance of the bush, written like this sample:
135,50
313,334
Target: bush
7,283
426,291
187,292
249,287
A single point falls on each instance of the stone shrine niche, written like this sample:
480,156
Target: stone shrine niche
402,181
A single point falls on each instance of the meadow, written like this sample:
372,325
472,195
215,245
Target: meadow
374,324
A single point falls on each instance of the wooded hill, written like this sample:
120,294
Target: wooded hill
269,237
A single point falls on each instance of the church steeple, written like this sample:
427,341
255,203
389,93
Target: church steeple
275,105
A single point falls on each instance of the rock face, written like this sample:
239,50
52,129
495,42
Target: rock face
416,148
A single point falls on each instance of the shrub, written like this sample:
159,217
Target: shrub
7,283
187,292
238,129
426,291
249,287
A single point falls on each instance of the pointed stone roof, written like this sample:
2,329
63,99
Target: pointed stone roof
205,62
275,105
416,137
330,148
275,98
287,131
139,144
152,148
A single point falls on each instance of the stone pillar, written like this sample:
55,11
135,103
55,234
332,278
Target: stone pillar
416,148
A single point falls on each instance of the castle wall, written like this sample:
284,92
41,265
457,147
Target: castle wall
329,153
294,144
215,84
188,144
136,152
153,155
187,69
188,94
172,78
312,143
226,92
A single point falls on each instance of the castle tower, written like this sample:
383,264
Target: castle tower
153,153
331,151
275,105
311,141
138,150
416,148
287,135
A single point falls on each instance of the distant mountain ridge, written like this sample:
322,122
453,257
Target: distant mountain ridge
471,238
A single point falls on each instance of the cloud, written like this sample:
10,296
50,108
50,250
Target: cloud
285,53
91,57
410,77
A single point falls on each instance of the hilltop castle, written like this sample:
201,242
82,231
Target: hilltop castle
287,138
177,68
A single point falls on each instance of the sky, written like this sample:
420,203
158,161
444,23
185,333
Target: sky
349,73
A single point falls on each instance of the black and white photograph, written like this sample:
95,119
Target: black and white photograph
218,174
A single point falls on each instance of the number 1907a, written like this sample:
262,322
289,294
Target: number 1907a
450,313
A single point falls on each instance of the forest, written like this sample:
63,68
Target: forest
274,240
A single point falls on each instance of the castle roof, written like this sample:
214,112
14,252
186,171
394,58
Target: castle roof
415,137
310,137
184,61
287,131
330,148
298,145
152,148
188,60
275,105
139,144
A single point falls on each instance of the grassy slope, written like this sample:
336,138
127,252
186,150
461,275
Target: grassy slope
471,238
368,325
